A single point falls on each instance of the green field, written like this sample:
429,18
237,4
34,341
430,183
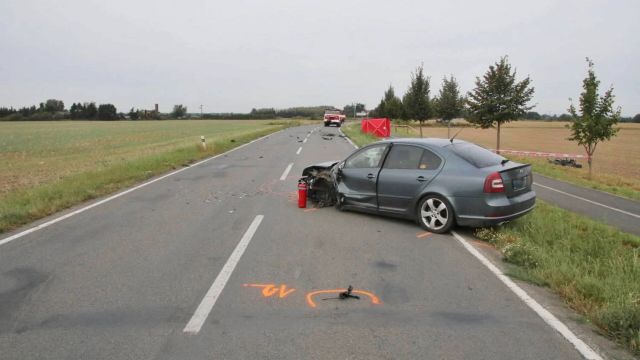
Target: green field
51,165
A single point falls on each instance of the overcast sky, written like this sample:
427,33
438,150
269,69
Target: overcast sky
231,56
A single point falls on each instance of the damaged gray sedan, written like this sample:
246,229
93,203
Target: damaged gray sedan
437,182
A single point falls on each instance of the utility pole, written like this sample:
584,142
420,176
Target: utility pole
200,111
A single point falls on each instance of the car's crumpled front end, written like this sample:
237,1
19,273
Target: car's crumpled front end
321,183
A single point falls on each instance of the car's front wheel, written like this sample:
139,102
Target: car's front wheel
435,214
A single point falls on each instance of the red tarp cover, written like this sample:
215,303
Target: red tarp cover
378,127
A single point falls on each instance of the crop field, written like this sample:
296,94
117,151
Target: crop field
620,156
49,166
33,153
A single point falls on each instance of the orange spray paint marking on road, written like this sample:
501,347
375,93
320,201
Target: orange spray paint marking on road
374,299
310,209
423,234
269,290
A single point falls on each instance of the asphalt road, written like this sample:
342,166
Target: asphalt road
616,211
135,277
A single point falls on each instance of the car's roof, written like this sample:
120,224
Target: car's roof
438,142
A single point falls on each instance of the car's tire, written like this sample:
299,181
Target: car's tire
435,214
339,125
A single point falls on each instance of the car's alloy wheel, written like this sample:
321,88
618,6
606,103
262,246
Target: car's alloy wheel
435,214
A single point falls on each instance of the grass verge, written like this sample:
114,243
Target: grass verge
23,206
594,267
352,130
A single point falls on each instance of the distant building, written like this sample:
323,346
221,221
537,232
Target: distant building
150,114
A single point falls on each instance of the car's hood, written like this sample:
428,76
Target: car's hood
309,170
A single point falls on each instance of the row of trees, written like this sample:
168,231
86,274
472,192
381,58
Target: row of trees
89,111
54,109
310,112
352,109
417,104
498,98
51,106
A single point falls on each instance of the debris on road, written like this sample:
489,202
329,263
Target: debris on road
327,136
566,162
345,295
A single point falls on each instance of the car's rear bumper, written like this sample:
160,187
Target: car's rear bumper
494,210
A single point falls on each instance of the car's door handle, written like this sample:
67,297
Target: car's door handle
421,179
370,177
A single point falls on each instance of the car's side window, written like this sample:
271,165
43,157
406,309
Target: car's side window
366,158
404,157
429,161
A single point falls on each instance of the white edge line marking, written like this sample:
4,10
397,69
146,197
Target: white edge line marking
589,201
548,317
76,212
305,140
209,300
299,149
286,172
348,139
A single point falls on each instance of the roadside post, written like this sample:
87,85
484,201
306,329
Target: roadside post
203,143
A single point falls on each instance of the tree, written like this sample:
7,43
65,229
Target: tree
134,114
532,115
392,104
597,117
75,110
349,109
498,98
107,112
179,111
449,103
636,119
53,105
379,110
90,111
416,101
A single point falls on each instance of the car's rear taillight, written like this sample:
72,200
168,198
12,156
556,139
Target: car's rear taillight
493,183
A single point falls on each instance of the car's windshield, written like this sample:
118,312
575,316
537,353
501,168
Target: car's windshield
475,155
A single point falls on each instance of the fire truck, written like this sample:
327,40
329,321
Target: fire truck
333,116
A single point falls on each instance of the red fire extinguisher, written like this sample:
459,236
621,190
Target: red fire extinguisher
302,193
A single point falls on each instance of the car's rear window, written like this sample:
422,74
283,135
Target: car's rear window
476,155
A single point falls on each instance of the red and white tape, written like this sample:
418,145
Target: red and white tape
541,154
